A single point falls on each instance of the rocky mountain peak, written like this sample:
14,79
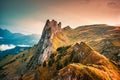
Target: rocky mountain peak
45,44
67,28
53,26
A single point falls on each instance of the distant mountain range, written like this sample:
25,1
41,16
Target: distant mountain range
12,51
7,37
13,43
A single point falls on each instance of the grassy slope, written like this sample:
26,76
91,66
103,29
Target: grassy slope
95,66
15,64
97,36
6,60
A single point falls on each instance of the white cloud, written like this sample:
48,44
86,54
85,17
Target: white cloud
4,47
1,37
23,45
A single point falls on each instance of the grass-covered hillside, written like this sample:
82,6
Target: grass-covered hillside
79,62
13,66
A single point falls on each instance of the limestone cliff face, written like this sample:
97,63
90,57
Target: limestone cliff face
45,45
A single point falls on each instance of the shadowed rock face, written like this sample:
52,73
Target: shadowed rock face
45,45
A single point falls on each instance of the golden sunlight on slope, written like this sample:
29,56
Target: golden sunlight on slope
79,62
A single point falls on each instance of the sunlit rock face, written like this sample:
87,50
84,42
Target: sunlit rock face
45,46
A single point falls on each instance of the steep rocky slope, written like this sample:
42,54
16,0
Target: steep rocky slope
51,38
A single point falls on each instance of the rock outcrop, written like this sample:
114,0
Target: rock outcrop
45,45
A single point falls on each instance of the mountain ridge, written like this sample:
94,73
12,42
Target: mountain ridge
8,37
65,53
82,53
44,48
73,64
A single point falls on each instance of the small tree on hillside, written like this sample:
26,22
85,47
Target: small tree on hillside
44,64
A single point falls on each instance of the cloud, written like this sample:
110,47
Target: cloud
4,47
114,4
23,45
1,37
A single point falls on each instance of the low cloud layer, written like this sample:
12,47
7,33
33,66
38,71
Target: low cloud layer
23,45
4,47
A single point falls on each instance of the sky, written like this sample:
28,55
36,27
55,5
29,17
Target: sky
29,16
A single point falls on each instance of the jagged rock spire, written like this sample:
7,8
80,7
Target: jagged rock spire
45,44
53,26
